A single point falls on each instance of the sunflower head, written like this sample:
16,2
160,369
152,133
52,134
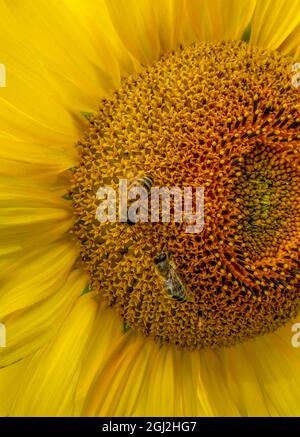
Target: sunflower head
224,117
192,110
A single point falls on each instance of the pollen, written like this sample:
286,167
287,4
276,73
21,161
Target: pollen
223,116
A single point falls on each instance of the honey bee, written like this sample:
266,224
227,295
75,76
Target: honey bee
173,282
143,182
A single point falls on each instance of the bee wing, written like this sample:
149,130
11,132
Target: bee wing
175,285
180,288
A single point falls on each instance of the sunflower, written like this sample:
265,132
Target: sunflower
190,93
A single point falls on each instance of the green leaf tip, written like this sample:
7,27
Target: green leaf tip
125,327
67,196
87,289
86,114
247,33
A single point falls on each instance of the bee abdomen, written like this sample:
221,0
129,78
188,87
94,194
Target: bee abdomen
145,182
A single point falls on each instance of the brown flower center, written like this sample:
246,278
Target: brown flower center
225,117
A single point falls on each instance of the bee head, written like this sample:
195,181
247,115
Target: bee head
160,258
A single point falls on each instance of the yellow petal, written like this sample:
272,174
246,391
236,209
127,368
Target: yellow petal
110,391
25,202
171,21
29,159
47,89
8,386
124,380
38,278
21,244
276,363
214,381
136,24
48,385
32,215
81,60
243,383
29,110
273,23
291,44
30,328
107,333
215,20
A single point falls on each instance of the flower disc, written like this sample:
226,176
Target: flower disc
225,117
